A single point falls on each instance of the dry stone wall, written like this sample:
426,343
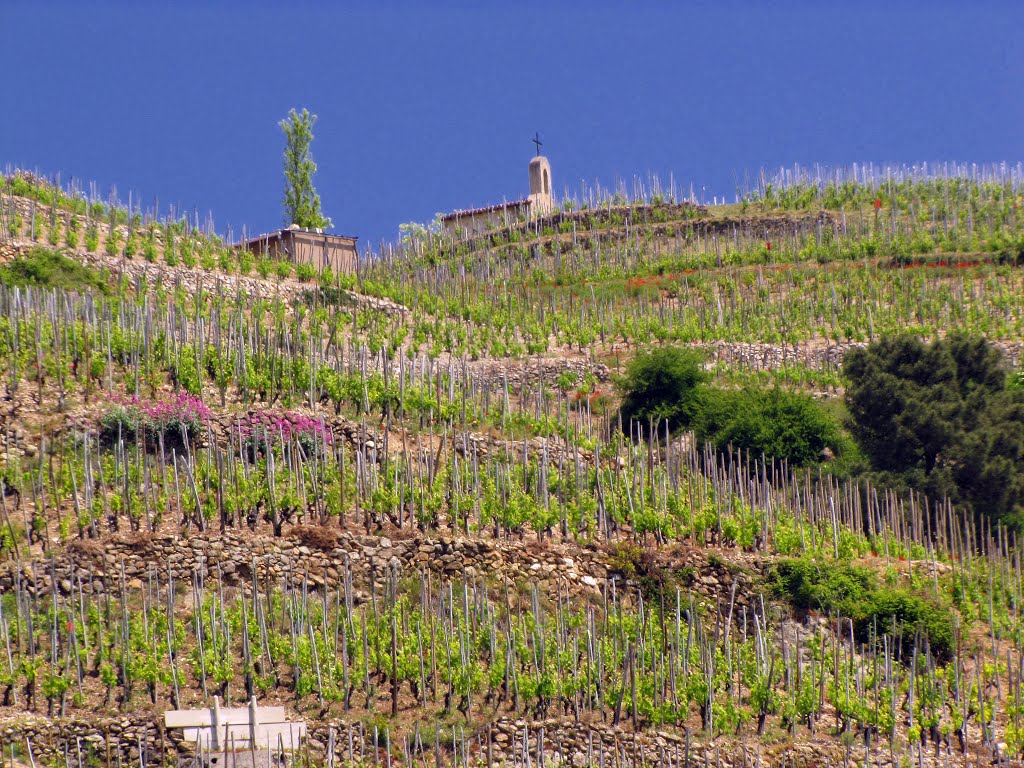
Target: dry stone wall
140,739
325,557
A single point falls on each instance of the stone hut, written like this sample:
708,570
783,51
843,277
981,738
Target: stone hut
306,246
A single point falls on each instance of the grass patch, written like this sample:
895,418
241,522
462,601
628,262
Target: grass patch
44,268
853,592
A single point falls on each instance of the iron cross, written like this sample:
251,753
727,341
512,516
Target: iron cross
536,140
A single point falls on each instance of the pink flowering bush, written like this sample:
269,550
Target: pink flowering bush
260,431
176,417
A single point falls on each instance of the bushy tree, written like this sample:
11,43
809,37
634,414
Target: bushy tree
301,202
669,384
941,419
775,423
661,385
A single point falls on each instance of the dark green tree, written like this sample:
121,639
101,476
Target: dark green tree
301,202
940,419
661,385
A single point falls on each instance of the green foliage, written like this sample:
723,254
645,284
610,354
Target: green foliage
662,385
44,268
92,238
119,423
1016,380
113,245
941,419
71,233
301,202
775,422
853,592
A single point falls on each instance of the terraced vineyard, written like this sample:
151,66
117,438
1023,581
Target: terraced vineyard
403,503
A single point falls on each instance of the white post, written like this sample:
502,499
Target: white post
215,720
253,710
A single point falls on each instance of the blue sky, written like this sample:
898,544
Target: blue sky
430,107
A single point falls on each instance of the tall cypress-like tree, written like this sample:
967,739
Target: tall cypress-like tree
301,202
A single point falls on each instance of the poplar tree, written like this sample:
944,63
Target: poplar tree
301,202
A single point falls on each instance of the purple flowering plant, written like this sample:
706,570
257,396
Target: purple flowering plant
260,431
174,417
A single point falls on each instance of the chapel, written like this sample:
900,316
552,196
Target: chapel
539,202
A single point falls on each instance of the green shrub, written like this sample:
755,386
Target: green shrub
71,233
113,247
119,422
780,424
326,277
853,592
188,254
304,272
45,268
226,260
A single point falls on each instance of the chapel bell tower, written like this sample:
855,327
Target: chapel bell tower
540,183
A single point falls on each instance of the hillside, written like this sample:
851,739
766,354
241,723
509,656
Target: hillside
401,504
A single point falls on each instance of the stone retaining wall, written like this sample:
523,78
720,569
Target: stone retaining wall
325,556
142,740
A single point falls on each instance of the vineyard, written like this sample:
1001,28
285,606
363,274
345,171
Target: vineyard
403,502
